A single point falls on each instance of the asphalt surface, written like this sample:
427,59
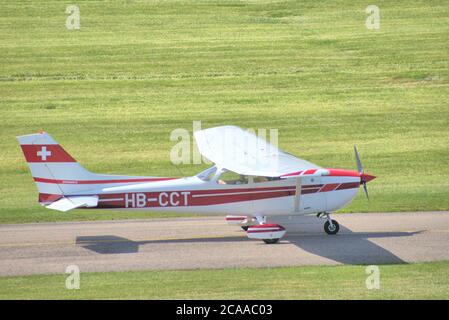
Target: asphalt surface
208,242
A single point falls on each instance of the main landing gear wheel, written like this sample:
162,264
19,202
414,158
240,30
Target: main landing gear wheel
331,229
245,228
271,241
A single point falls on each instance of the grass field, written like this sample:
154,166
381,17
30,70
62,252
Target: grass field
413,281
112,91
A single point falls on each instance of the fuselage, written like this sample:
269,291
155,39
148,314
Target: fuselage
251,197
244,181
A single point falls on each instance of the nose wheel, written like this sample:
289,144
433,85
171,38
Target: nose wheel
330,226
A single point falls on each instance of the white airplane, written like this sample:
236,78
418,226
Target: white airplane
250,180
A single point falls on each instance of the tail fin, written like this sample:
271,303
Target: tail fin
58,175
53,169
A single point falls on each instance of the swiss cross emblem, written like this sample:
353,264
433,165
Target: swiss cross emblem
43,153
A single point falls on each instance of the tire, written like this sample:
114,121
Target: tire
329,230
245,228
271,241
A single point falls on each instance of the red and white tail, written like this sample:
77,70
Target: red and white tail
53,169
58,174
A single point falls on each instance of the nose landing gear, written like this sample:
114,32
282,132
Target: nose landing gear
330,226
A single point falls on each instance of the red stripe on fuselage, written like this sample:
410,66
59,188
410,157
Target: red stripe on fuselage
45,180
213,191
180,198
329,187
348,185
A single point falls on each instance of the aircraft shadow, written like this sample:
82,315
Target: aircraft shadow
110,244
347,247
107,244
350,248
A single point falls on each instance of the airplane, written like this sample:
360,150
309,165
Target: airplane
250,180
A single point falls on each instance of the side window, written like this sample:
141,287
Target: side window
260,179
229,177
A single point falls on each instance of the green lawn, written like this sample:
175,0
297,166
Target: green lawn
407,281
112,91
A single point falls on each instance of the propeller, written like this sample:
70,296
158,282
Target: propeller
360,170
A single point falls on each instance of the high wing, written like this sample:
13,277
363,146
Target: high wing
243,152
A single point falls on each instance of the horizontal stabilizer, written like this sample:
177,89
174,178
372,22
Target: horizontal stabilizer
73,202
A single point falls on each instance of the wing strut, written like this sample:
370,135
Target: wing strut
298,193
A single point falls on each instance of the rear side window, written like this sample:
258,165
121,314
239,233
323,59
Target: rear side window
260,179
229,177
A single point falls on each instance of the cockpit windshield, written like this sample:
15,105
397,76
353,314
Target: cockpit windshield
207,174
